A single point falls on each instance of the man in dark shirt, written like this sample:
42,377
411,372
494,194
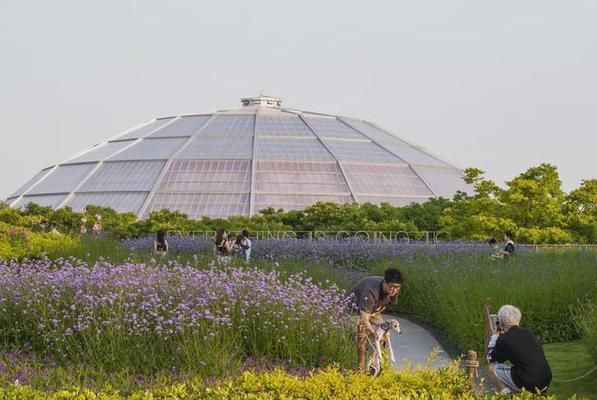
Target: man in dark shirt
529,369
373,294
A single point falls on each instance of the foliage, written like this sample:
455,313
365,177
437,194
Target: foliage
532,205
581,211
585,318
535,198
331,383
19,242
449,292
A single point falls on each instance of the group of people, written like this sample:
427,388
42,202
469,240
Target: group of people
508,249
224,245
529,368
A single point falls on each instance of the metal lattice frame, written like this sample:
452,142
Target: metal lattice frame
259,108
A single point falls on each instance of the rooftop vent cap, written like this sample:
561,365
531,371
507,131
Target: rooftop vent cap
268,101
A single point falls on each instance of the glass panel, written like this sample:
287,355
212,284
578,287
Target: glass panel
224,147
207,176
444,181
359,151
185,126
145,129
331,127
385,180
414,156
63,179
151,149
292,149
282,125
373,132
395,201
119,201
52,200
198,205
101,151
29,183
299,177
232,125
124,176
295,202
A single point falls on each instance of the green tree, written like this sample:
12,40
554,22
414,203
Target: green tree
65,220
334,217
425,216
479,216
581,211
294,219
167,220
534,199
36,209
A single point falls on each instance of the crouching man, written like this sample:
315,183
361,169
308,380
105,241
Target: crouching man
373,294
529,369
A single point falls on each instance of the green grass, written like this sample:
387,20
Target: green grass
570,360
448,292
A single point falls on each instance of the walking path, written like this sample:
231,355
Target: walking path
414,346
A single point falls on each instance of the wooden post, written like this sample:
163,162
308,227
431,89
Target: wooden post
472,365
490,324
361,345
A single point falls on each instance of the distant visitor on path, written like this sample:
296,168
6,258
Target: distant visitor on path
160,244
83,228
242,245
374,294
97,225
509,248
529,369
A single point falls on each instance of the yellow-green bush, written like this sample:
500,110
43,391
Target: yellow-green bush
18,242
448,383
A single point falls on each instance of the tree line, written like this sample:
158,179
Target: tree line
532,205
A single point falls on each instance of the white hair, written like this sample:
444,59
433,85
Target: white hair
509,315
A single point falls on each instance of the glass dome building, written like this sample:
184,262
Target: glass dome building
237,162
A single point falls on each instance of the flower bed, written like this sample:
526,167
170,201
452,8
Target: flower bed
152,317
448,383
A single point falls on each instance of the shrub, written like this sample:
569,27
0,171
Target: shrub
585,318
19,242
447,383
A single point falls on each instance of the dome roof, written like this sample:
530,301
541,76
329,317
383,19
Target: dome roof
241,161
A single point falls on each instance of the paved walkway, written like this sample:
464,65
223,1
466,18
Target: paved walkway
414,346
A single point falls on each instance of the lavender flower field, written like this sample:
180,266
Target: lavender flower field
128,318
351,253
155,317
447,283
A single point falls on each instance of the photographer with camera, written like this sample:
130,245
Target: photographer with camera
529,369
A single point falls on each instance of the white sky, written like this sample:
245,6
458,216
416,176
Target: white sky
498,85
